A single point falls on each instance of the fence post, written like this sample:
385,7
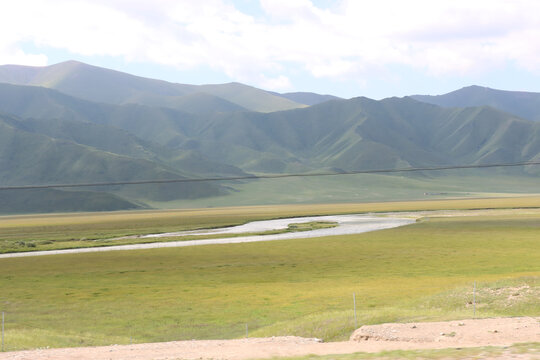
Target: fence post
474,300
354,304
2,331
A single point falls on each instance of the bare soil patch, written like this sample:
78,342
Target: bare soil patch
371,339
470,332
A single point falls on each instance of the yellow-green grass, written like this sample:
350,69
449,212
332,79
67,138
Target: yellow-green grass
523,350
62,231
301,287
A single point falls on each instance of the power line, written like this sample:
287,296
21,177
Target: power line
276,176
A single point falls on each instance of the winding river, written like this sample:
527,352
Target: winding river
346,225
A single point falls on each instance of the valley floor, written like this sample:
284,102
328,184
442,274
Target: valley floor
431,270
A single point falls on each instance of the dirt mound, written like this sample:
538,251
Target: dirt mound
472,331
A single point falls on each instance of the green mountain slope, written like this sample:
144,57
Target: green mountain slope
102,137
90,82
43,103
195,103
108,86
523,104
361,134
250,97
59,116
50,200
28,158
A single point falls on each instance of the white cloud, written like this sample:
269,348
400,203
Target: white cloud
334,69
445,37
10,55
279,83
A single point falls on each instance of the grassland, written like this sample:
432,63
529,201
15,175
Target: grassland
76,230
364,188
298,287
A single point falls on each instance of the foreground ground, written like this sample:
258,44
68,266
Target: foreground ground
368,339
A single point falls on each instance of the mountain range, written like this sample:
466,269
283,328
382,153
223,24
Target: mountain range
76,123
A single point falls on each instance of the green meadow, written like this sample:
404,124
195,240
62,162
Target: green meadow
423,271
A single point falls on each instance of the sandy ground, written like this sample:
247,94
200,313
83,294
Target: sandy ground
374,338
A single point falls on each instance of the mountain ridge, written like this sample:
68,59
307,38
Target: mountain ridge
520,103
307,98
399,128
98,84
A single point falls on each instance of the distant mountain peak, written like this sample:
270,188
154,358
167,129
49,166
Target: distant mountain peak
97,84
70,62
475,87
519,103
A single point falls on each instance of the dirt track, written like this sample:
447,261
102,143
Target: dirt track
375,338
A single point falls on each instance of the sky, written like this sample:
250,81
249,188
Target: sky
345,48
